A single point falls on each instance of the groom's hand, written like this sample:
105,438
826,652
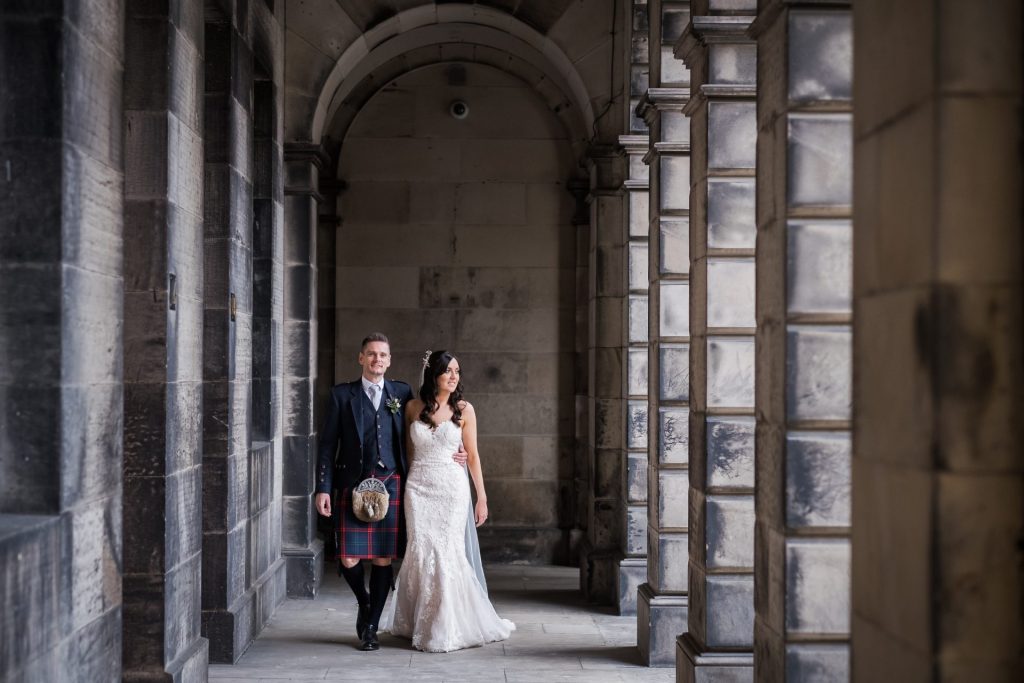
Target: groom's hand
461,457
323,504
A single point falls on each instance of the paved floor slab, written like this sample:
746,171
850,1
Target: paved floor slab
558,637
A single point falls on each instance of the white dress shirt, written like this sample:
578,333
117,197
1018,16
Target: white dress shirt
374,391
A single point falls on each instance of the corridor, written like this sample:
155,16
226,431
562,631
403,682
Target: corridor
558,638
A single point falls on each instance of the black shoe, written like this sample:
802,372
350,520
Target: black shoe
370,639
362,616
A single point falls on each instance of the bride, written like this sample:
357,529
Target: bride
439,602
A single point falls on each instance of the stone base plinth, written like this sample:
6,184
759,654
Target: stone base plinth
231,631
305,570
598,570
659,621
694,666
631,572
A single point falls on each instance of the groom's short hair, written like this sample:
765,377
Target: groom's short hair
374,337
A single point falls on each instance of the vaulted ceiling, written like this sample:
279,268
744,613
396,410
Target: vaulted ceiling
540,14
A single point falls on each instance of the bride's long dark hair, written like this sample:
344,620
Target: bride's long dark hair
437,365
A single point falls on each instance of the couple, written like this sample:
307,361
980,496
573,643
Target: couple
374,427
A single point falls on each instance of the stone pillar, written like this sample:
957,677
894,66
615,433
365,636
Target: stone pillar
163,345
606,412
718,643
301,547
804,328
938,469
632,571
662,601
61,335
243,572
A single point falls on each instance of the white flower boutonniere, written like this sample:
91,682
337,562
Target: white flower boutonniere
393,404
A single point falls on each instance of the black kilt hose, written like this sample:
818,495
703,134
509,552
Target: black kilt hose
371,540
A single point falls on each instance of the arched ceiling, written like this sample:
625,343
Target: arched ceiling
342,51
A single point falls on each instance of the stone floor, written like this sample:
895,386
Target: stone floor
558,638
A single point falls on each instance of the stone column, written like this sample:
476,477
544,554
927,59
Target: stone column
61,334
163,345
243,573
301,547
662,601
804,328
718,643
606,412
938,469
632,571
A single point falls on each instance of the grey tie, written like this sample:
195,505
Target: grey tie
375,396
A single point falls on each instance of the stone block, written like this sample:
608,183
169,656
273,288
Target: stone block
820,155
730,452
667,565
673,494
674,247
730,292
977,173
636,477
528,246
30,230
299,461
729,531
92,203
30,550
730,611
674,372
732,135
730,372
730,213
820,56
660,619
818,477
639,214
892,524
818,662
631,573
818,586
819,375
182,623
484,329
638,319
638,266
732,64
183,530
674,183
35,100
673,435
636,424
91,430
819,266
674,308
636,530
889,364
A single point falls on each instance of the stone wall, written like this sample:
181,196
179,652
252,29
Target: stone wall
60,339
457,234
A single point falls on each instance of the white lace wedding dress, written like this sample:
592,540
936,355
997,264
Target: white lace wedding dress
438,601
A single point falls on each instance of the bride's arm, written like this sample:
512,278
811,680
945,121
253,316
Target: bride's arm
412,411
475,470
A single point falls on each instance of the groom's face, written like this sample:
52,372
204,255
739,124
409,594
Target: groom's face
375,358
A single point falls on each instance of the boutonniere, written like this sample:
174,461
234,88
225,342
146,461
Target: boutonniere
394,405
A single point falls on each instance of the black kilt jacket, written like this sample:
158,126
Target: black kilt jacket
342,461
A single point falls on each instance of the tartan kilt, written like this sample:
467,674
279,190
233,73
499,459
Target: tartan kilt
369,540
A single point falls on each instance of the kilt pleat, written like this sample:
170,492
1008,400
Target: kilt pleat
371,540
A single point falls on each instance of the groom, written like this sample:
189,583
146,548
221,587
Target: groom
364,435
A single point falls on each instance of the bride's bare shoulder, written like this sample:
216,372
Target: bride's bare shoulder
466,407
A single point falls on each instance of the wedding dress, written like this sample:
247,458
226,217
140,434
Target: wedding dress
438,602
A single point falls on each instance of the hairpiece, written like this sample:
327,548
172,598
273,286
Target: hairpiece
426,358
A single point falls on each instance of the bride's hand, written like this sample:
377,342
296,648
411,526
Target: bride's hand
481,512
